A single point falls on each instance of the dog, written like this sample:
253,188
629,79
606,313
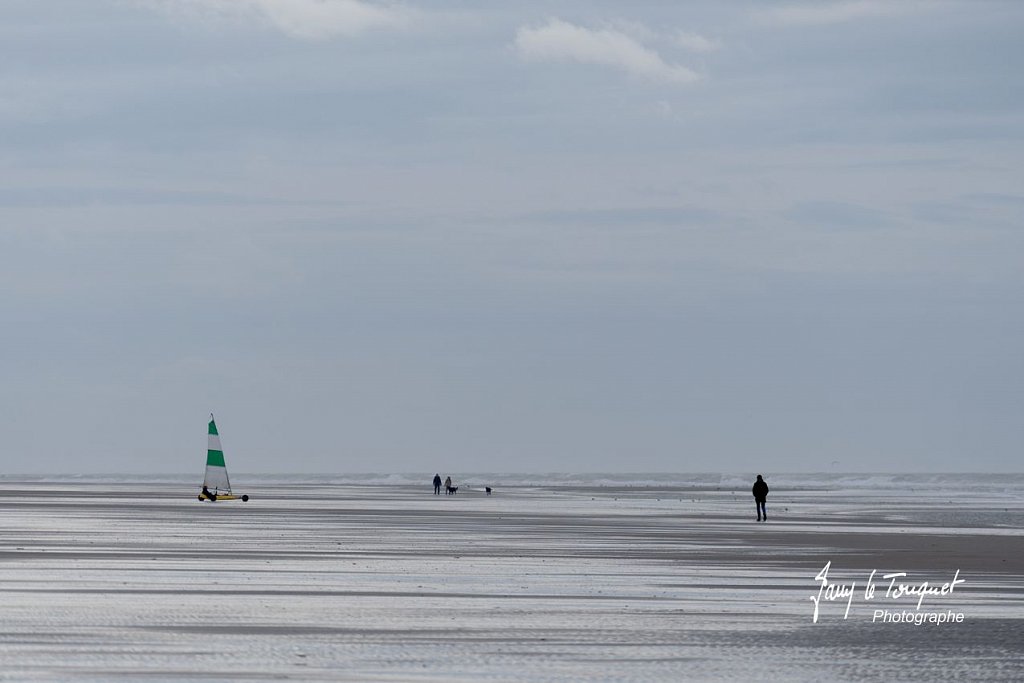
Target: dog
451,490
488,489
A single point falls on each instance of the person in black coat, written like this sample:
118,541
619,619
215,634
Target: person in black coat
760,496
437,484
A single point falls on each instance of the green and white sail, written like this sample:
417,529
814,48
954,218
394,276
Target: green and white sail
216,479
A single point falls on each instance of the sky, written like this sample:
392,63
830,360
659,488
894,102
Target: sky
512,237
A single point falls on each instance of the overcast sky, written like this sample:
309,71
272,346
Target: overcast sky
511,236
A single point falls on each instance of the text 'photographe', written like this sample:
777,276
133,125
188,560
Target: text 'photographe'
896,588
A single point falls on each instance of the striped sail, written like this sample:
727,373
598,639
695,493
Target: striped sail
216,479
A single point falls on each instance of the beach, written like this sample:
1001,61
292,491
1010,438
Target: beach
342,578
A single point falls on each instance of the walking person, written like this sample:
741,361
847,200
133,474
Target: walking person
760,496
437,484
447,486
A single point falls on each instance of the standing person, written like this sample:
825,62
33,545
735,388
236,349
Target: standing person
437,484
760,496
447,485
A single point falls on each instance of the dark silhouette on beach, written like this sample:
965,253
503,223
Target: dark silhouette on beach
760,496
437,484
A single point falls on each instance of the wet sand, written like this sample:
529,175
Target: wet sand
314,581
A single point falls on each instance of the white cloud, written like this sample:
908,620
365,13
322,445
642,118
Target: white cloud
561,41
823,13
637,30
694,42
303,19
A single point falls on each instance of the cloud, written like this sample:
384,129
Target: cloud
302,19
561,41
824,13
831,215
694,42
628,216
